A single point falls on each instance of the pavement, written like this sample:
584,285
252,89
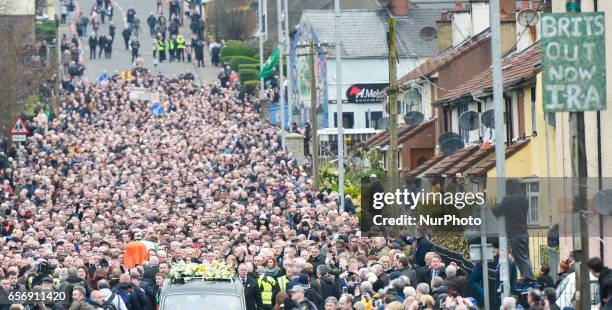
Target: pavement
121,58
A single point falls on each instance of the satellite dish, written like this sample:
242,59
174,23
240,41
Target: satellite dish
451,143
428,33
528,17
487,119
383,123
443,136
469,120
414,118
602,202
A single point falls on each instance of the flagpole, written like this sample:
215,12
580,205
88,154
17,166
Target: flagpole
261,33
281,78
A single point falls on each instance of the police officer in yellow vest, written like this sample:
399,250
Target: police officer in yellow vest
180,48
269,288
172,48
161,50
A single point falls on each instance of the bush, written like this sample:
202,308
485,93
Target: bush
236,61
248,74
251,85
45,31
237,48
248,66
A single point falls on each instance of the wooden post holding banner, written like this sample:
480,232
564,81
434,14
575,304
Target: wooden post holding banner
574,80
313,117
19,130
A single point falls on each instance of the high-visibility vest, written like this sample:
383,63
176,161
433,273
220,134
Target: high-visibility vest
171,45
180,43
282,283
161,46
266,285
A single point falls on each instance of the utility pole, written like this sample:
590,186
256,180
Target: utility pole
500,138
217,21
392,152
182,12
339,106
261,33
288,73
313,117
281,80
579,205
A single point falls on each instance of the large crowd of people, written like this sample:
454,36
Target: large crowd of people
205,179
198,176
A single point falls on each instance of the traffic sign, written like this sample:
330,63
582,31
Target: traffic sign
19,127
18,138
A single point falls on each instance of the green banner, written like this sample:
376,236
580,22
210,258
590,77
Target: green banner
271,63
573,62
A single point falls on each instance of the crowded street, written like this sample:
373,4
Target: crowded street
181,154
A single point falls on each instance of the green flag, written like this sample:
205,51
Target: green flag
266,70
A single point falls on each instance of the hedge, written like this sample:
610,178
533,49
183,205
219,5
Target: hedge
248,66
45,31
248,74
251,85
237,48
236,61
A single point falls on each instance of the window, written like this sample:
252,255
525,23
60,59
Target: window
412,101
508,117
534,124
531,187
465,134
372,119
348,119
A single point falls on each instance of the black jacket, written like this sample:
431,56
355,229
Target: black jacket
140,302
326,287
410,273
252,294
102,41
515,207
382,281
314,296
148,277
425,275
93,42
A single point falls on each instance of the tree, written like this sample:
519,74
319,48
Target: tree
232,19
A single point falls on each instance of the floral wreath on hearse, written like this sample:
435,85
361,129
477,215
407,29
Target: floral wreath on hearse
182,272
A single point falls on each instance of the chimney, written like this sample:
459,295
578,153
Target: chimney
508,6
445,31
399,8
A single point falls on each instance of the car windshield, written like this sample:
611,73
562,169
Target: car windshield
197,301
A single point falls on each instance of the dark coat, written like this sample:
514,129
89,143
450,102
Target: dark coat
410,273
515,207
426,275
252,294
326,287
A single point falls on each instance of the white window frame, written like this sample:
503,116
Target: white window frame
531,221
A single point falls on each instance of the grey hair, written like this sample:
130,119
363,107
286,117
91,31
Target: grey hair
436,282
509,303
423,288
451,271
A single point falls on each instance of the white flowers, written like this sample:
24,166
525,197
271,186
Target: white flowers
214,270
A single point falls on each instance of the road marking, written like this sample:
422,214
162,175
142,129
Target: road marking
125,23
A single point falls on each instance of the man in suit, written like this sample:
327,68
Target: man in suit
404,268
435,270
423,270
252,293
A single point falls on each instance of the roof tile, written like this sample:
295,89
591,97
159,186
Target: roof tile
517,67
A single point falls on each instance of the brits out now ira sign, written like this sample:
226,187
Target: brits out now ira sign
573,62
